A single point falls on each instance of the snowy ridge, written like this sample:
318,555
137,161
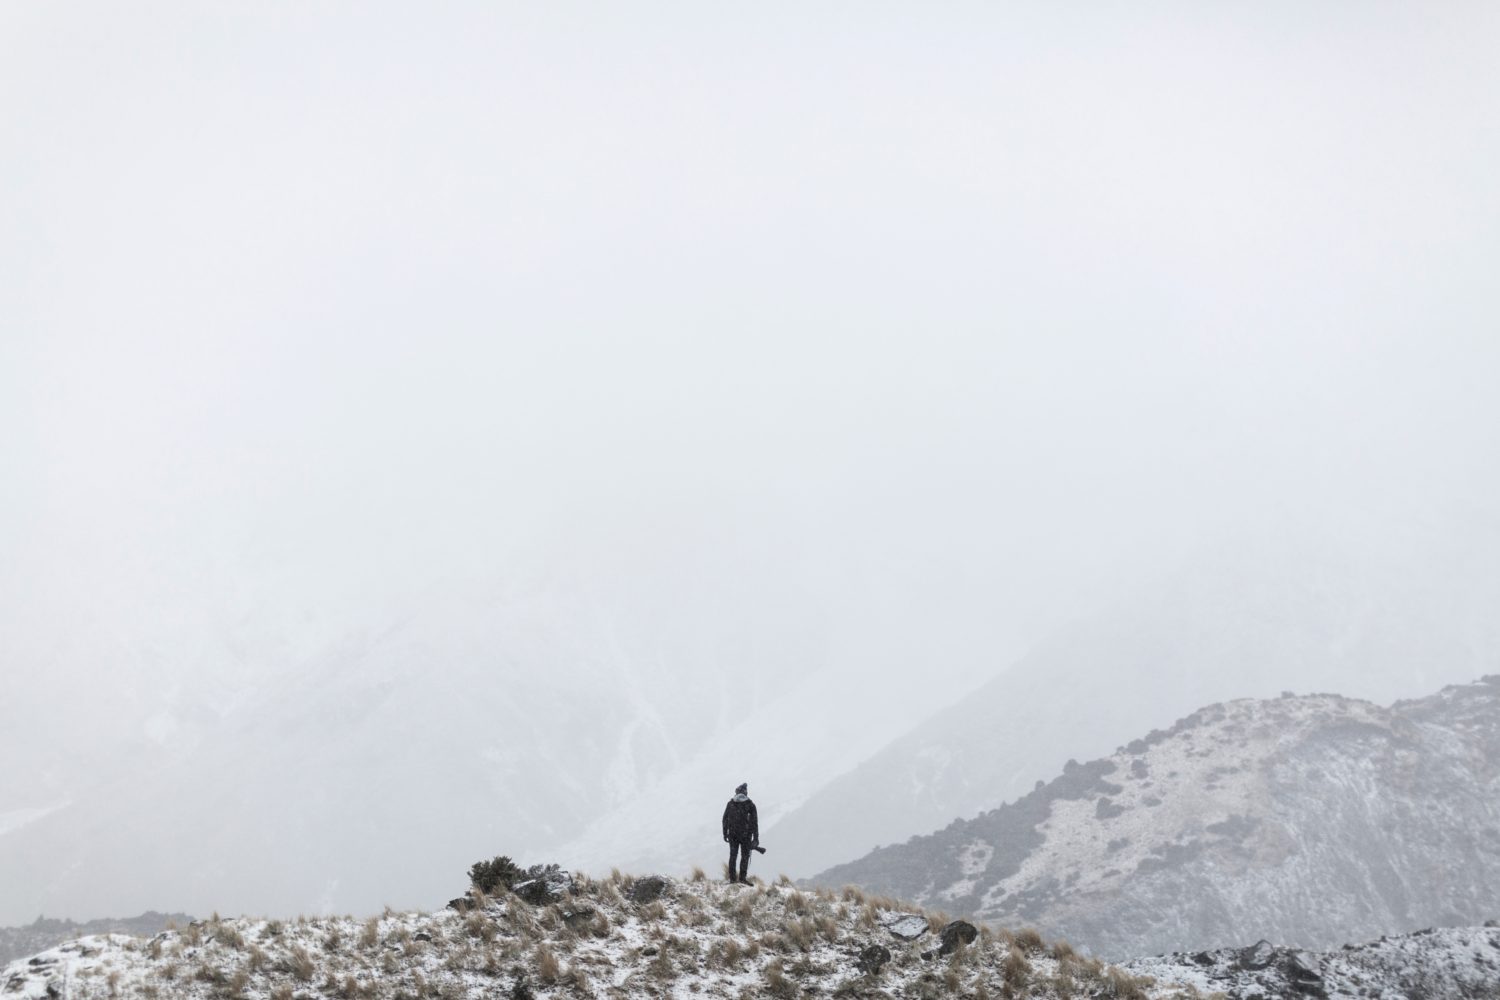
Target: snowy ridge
696,938
1310,820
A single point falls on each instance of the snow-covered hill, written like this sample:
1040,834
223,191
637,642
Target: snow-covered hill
1373,607
619,937
632,938
1310,820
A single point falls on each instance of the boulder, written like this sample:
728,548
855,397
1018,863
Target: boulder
955,935
649,888
1259,955
463,904
1302,972
905,926
872,958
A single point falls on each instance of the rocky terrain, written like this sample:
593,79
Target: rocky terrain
568,936
43,933
1307,820
1456,963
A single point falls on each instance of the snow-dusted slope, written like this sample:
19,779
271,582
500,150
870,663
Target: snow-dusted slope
1310,820
698,939
1370,607
44,933
1452,963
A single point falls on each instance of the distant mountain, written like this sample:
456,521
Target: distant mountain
44,933
485,724
1377,608
1307,820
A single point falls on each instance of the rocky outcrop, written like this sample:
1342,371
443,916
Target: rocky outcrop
550,886
1456,963
906,926
872,959
956,935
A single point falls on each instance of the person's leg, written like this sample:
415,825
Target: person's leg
734,850
744,861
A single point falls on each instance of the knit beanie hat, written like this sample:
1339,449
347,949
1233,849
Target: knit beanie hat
743,789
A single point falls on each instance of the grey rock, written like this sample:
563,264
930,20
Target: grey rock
1259,955
649,888
549,887
955,935
463,904
422,936
872,959
906,926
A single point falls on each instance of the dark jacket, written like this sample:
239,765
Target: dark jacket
740,822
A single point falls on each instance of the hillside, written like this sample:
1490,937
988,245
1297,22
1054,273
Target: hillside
618,937
1308,820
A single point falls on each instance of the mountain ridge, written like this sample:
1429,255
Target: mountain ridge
1311,820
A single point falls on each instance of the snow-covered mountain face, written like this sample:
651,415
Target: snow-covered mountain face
1371,607
1308,820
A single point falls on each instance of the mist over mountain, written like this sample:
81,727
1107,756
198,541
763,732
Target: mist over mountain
430,431
509,723
1307,820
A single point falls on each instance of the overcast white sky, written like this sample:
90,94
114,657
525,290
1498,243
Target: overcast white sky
908,319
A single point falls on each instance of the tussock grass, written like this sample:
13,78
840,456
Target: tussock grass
548,968
1015,970
1029,940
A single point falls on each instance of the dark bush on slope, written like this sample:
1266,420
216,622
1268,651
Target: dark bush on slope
498,873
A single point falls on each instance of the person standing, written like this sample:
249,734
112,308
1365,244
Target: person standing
741,832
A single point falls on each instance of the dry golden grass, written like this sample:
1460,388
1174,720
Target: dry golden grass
1015,970
1029,940
548,968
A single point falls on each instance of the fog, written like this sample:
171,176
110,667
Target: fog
695,359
